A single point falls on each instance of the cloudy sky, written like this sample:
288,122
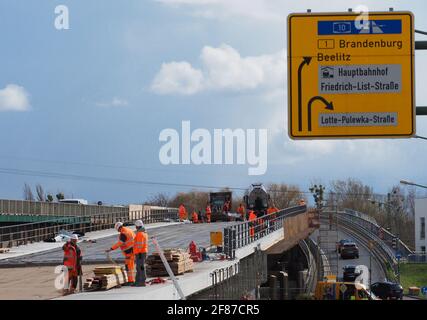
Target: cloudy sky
81,110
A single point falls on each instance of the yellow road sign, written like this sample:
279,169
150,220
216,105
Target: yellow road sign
350,76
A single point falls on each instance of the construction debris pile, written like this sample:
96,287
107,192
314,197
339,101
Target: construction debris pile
106,278
4,250
179,261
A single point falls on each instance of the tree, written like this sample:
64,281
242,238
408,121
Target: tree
159,199
60,196
283,195
40,193
49,198
193,200
28,194
353,194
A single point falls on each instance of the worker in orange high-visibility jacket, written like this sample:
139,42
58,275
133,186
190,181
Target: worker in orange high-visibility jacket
208,213
195,217
71,262
252,218
182,213
125,243
272,216
241,210
140,249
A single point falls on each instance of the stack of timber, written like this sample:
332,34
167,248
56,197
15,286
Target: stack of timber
4,250
178,259
106,278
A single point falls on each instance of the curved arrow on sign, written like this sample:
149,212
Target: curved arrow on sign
329,106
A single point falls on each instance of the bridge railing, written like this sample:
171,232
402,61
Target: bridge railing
309,251
379,249
26,207
21,234
243,234
370,224
417,257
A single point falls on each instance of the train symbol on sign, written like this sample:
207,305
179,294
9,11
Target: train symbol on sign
342,27
327,72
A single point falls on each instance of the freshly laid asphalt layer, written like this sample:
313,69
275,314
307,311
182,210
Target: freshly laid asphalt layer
173,236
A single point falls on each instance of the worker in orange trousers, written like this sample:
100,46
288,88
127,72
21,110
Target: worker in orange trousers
252,218
126,243
72,260
182,213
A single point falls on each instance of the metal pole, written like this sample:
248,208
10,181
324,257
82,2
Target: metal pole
421,111
168,268
420,45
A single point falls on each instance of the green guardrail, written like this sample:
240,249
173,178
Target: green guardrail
36,219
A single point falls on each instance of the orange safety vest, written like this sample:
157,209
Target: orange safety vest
208,210
140,242
70,257
195,217
128,243
182,212
252,216
241,210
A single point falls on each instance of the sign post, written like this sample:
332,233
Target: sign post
349,77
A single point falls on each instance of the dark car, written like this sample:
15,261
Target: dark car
340,244
350,273
349,250
387,290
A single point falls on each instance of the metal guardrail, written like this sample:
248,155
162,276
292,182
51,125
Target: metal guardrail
370,224
380,250
24,207
239,235
21,234
417,258
311,265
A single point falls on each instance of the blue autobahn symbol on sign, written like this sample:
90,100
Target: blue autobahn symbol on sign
362,27
424,290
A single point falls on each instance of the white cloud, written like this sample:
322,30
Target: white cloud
177,77
271,11
14,98
115,102
223,68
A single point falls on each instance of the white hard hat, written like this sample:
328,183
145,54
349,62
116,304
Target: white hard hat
74,237
139,223
118,225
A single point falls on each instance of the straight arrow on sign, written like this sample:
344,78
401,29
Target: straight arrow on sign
306,61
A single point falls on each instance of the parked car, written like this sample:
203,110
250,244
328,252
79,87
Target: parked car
387,290
340,244
350,250
350,273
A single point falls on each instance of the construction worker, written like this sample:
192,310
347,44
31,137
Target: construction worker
301,202
195,217
226,207
182,213
208,213
72,260
241,210
140,249
252,218
272,216
125,243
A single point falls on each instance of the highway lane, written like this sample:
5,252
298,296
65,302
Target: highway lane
174,236
364,258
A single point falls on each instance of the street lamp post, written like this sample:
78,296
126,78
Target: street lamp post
409,183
